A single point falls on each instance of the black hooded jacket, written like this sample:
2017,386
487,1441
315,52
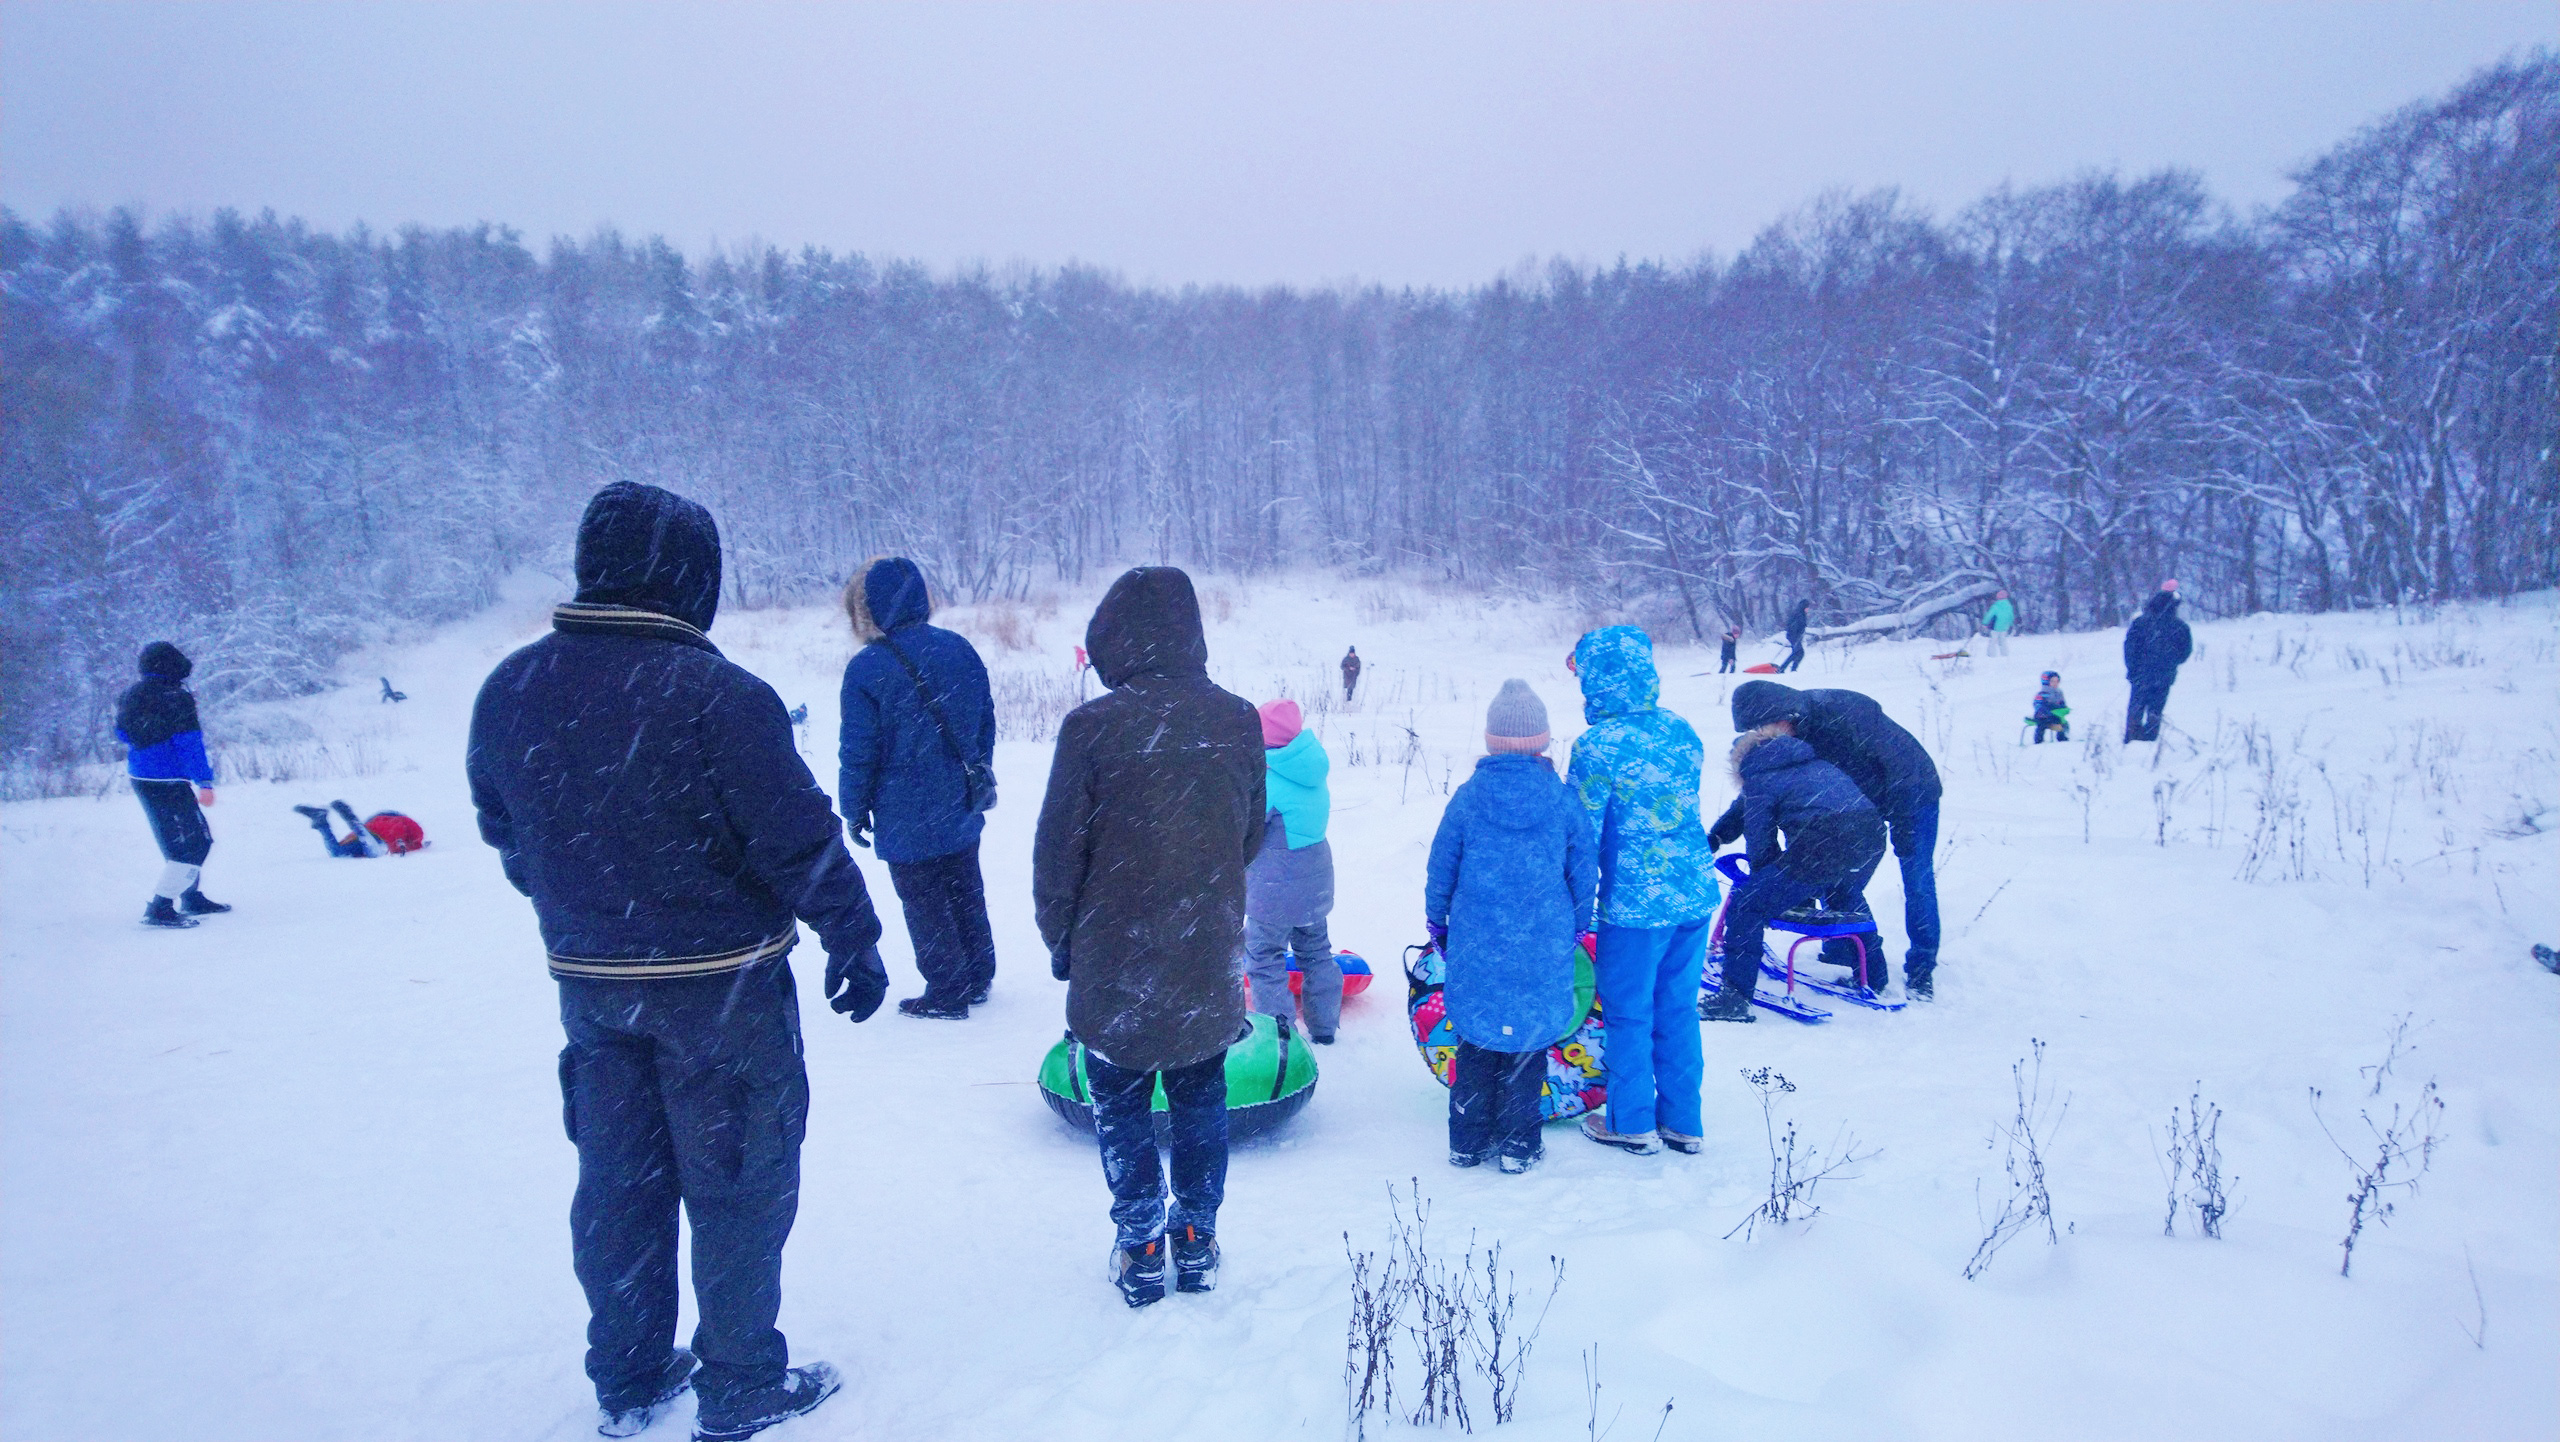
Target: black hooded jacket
1155,807
1849,730
2157,643
156,720
644,791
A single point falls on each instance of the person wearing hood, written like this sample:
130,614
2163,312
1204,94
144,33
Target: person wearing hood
1797,620
1350,673
646,794
1636,772
1155,807
166,763
2155,646
1289,886
1893,771
1510,888
1834,838
916,751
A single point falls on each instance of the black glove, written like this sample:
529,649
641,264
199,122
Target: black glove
860,830
857,984
1058,963
1726,831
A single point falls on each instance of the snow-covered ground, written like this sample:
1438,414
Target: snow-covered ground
299,1173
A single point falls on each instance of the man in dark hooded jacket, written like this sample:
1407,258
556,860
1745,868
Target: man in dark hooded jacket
647,795
917,717
1155,808
164,757
2155,646
1797,620
1893,770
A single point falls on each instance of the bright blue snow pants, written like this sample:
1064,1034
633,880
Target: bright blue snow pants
1649,978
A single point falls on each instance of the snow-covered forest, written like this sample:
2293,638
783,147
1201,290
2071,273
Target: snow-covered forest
269,442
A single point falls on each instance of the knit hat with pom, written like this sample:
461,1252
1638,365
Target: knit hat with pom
1281,722
1516,721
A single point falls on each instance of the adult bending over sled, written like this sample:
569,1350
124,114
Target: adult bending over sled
1155,806
1893,771
1834,838
646,794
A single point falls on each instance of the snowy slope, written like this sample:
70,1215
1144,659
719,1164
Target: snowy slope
299,1173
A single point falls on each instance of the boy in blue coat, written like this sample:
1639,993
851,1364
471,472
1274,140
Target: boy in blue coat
1834,838
1510,888
1636,772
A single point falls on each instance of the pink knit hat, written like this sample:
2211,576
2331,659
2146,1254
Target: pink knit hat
1281,722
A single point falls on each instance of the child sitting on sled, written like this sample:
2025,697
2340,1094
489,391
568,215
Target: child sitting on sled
2052,713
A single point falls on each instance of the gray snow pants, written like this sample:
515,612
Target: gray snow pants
1267,947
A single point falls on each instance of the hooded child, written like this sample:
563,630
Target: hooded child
917,717
647,795
1636,772
1833,840
2052,713
1155,809
171,775
1289,887
1511,887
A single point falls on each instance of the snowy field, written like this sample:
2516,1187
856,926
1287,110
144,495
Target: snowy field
299,1173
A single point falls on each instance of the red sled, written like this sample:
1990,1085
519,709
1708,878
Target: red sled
1763,669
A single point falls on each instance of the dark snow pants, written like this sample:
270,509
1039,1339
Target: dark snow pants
945,899
1914,826
2142,711
177,822
684,1092
1795,655
1124,1121
1493,1101
1829,861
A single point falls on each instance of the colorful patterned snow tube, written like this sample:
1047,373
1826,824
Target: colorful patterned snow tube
1355,974
1575,1082
1270,1077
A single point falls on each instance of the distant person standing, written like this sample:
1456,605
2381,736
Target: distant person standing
1289,887
165,758
916,752
1350,673
2000,620
1155,808
645,793
2155,646
1797,620
1728,658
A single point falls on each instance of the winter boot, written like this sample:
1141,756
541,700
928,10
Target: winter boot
672,1383
1923,987
1641,1144
1468,1159
934,1008
978,994
2550,959
1195,1261
800,1390
316,815
1513,1166
164,912
1681,1142
1726,1006
1139,1272
196,903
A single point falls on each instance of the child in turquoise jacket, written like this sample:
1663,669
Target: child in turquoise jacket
1289,885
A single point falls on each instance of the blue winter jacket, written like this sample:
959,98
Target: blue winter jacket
1637,771
1512,874
156,720
641,789
1786,788
1290,882
896,774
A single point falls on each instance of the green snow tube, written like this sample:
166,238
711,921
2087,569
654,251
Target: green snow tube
1270,1076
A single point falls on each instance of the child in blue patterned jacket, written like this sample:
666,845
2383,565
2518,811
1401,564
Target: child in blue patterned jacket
1636,772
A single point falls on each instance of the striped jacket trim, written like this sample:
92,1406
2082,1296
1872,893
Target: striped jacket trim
595,619
668,968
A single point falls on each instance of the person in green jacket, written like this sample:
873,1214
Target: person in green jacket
2000,620
1289,885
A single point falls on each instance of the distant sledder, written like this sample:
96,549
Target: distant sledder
384,833
2049,712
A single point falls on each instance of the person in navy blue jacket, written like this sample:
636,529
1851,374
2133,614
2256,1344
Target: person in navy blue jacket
1514,876
1834,838
917,715
164,757
647,795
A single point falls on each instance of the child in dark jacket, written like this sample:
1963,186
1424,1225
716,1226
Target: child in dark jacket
1512,883
1834,838
2052,713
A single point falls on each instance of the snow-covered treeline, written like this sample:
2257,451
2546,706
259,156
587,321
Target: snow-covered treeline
262,440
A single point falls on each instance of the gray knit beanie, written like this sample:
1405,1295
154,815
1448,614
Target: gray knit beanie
1516,721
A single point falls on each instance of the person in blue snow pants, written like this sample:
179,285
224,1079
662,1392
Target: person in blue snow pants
1636,772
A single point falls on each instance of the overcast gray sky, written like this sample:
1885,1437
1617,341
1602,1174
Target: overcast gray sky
1411,144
